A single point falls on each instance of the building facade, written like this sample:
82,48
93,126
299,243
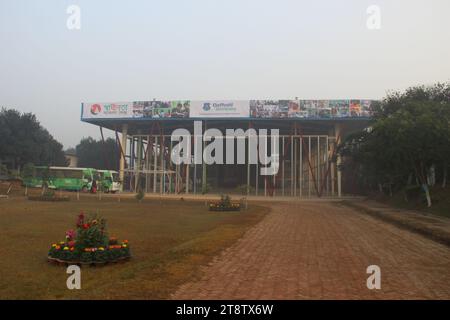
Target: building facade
307,134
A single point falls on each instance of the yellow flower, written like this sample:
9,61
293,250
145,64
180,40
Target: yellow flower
54,245
101,248
124,246
66,248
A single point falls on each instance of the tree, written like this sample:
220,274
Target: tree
98,154
25,140
28,170
410,136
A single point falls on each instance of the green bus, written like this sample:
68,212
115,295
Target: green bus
62,178
109,181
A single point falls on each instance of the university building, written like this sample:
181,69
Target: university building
308,133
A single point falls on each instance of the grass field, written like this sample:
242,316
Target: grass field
169,240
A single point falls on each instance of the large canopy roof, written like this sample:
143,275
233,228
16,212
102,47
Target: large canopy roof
144,117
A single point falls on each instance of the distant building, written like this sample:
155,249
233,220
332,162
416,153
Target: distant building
72,159
308,133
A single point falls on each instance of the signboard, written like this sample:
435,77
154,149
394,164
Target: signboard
340,108
269,109
253,109
107,110
220,109
161,109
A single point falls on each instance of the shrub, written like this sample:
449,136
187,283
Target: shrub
28,170
224,204
140,195
242,189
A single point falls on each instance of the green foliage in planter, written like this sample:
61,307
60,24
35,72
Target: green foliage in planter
224,204
86,256
89,243
225,200
91,232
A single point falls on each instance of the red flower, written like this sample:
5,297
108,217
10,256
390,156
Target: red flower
86,225
80,219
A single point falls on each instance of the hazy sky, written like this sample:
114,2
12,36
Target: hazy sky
211,49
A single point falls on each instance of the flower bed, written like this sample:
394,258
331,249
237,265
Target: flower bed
224,204
89,244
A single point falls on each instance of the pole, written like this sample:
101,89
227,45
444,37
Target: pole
318,163
309,171
292,165
301,167
282,169
204,183
155,163
123,146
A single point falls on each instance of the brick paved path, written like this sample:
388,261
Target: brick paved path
320,250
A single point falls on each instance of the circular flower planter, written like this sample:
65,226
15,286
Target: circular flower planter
61,253
89,244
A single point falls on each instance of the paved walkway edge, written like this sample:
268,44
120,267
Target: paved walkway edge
423,229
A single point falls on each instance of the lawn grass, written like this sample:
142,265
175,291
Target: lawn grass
169,240
440,201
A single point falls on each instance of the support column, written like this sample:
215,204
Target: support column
282,168
337,133
169,166
138,167
147,164
256,178
318,164
187,178
301,167
309,169
195,179
123,146
204,179
155,163
292,165
248,164
162,150
327,165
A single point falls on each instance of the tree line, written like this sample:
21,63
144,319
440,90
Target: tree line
24,142
98,154
407,145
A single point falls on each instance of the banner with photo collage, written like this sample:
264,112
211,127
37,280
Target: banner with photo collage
255,109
